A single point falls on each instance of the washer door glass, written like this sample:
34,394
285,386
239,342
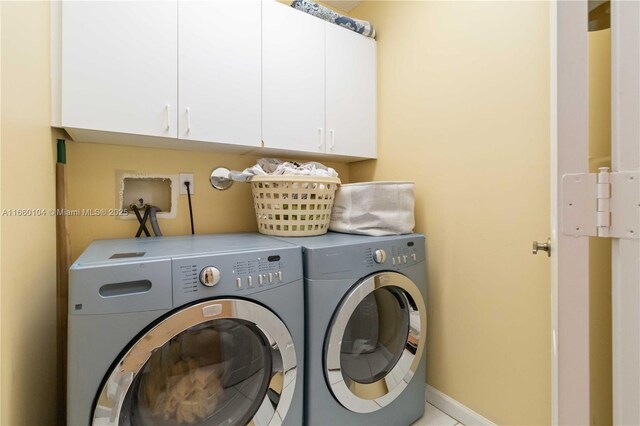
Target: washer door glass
219,362
375,342
213,373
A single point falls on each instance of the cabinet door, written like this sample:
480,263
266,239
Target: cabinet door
119,66
219,71
292,79
351,93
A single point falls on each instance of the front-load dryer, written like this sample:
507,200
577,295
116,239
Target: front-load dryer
366,329
186,331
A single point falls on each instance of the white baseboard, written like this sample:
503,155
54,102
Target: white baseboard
453,408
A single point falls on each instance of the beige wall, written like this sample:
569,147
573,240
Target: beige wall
91,172
600,248
463,110
28,268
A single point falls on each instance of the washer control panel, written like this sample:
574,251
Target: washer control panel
258,272
229,274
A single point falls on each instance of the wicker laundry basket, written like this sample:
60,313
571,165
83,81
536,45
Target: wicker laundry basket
293,206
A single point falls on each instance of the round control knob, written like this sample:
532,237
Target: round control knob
379,256
210,276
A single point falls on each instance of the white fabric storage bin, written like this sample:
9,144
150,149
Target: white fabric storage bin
374,208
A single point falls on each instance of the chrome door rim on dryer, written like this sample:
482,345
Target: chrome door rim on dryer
283,356
396,380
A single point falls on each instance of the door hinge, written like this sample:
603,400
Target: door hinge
604,204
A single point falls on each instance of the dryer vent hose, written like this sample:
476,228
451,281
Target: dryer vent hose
154,220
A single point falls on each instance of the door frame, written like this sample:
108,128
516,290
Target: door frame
625,156
570,399
570,256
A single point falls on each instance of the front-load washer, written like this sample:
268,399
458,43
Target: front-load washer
186,330
366,329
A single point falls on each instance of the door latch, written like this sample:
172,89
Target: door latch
542,247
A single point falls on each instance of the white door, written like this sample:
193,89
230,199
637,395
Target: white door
133,90
219,71
351,93
625,156
293,79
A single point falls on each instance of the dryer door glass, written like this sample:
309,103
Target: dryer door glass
375,342
220,362
375,335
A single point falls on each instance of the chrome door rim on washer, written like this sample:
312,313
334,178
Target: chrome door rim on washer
283,352
405,367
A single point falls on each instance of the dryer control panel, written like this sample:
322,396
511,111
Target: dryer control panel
362,255
392,255
232,274
402,254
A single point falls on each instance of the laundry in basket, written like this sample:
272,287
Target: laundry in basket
276,167
374,208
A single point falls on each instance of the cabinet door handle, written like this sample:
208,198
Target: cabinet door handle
319,138
188,120
332,139
167,113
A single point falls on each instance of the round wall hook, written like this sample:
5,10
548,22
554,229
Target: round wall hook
220,178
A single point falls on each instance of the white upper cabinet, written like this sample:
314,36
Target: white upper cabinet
119,66
293,99
230,75
219,71
318,85
350,93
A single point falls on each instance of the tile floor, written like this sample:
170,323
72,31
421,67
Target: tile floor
434,417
